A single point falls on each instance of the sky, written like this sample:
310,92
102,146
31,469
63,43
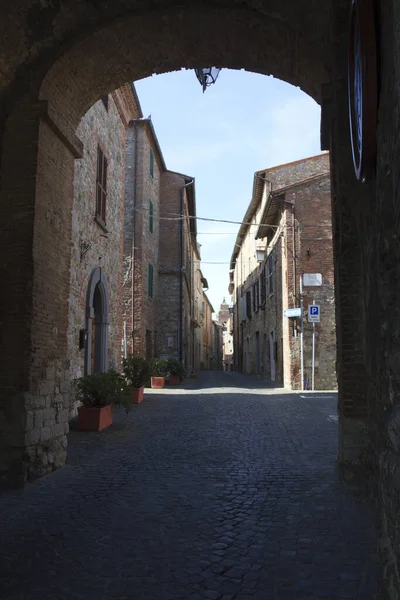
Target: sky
243,123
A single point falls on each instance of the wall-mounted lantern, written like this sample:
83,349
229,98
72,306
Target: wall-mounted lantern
207,76
260,254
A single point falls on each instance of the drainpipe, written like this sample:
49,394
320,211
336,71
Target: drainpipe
181,265
135,149
180,305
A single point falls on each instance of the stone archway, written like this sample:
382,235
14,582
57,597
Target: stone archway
77,56
97,322
67,74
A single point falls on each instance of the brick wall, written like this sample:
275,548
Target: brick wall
314,254
142,248
175,306
301,243
103,244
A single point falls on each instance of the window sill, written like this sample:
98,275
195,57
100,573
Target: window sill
100,223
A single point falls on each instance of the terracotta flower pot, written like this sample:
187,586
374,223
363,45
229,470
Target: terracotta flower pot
137,395
94,418
174,380
157,383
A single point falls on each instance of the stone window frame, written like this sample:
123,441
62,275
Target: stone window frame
101,185
98,280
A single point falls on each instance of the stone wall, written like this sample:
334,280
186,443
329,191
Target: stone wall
94,244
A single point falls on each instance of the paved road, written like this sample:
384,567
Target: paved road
223,490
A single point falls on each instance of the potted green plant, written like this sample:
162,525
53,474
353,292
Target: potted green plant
175,370
135,370
99,392
158,370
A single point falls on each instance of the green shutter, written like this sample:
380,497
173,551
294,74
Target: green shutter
151,217
151,163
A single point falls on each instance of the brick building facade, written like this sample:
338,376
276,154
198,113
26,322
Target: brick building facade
176,268
145,165
290,235
95,308
161,258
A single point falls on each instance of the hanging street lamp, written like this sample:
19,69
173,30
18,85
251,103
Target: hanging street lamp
207,76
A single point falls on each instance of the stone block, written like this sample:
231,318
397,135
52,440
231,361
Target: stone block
62,416
38,418
30,420
32,437
45,434
60,459
46,388
49,417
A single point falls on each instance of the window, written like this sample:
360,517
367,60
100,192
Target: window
101,185
263,286
151,163
254,297
257,290
150,282
271,273
248,304
104,100
151,210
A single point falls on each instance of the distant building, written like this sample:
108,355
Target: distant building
198,318
291,236
176,337
217,346
225,318
163,283
206,329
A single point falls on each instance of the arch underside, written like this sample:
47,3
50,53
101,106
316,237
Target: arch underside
278,39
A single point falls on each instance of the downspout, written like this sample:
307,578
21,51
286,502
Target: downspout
181,265
180,305
294,251
135,147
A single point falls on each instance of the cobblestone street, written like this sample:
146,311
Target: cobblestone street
219,489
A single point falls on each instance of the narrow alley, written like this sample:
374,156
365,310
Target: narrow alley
221,489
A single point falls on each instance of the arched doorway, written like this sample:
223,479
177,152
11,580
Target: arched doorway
97,316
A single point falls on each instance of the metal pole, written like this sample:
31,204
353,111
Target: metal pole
301,335
125,352
313,352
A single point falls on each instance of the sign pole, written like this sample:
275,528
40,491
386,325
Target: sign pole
301,335
313,352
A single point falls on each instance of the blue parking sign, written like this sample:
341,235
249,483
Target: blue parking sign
314,313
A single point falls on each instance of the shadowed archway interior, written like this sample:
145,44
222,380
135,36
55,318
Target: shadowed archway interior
97,314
